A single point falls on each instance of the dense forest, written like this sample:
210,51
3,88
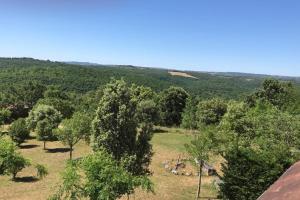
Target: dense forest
78,78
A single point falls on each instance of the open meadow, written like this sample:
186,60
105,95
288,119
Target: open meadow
167,144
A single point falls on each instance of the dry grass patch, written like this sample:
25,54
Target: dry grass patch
29,189
167,144
182,74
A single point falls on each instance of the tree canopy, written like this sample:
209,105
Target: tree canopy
172,103
43,119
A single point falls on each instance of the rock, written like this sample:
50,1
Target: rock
174,172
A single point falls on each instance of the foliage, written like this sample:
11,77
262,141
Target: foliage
248,173
11,162
74,129
142,93
210,112
4,115
59,99
189,114
257,145
96,177
147,111
172,103
199,150
115,128
236,128
43,119
18,131
41,171
82,79
278,93
20,98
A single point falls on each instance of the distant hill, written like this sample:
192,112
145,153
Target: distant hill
239,74
85,77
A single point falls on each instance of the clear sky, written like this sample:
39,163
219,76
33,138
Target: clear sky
257,36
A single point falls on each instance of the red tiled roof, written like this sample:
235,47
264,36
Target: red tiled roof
287,187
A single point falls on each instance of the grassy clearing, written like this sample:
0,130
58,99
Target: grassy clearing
167,144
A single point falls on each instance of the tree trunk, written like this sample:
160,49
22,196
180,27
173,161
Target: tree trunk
14,176
44,145
199,182
71,152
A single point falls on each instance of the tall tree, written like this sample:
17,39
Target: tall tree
199,149
43,119
115,128
172,103
74,129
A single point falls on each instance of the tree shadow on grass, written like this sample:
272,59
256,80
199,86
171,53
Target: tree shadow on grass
159,130
31,137
26,179
28,146
58,150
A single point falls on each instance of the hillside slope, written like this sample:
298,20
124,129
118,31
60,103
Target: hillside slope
85,78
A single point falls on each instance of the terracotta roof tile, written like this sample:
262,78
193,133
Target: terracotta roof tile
287,187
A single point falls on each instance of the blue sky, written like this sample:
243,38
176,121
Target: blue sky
257,36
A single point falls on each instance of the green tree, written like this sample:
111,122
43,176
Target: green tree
279,93
41,171
4,115
43,119
120,128
189,114
142,93
96,177
236,127
59,99
18,131
258,147
20,99
147,111
11,162
247,173
172,103
74,129
199,150
210,112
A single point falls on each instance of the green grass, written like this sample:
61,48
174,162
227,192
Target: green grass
172,139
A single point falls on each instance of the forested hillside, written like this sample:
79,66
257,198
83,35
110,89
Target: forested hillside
85,78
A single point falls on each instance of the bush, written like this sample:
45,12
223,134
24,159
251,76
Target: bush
41,171
11,162
19,131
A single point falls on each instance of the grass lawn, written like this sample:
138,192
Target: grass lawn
167,144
